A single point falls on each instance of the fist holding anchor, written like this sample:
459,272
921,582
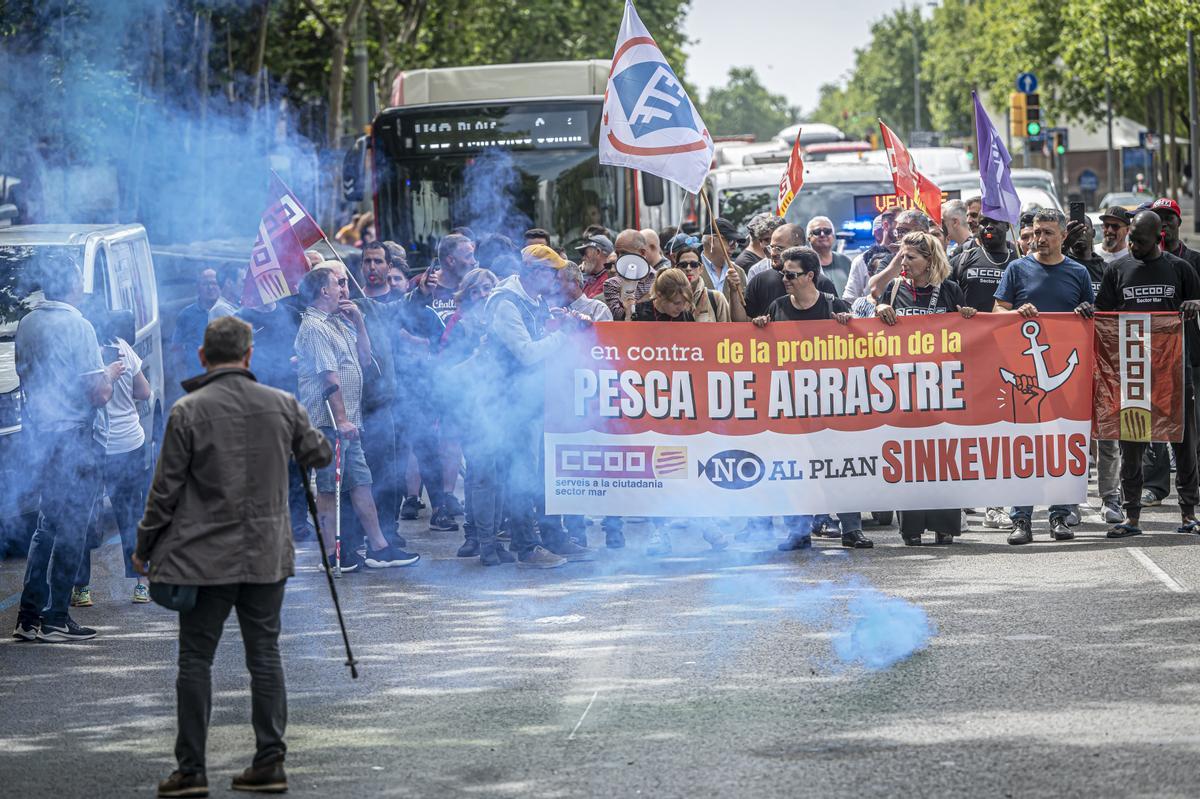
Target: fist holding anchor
1027,392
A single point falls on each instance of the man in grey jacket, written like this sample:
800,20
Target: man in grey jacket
217,518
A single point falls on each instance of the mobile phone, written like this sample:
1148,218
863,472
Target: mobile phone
110,353
1077,213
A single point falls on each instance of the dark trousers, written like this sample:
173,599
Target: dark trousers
486,467
297,501
68,475
258,608
1133,479
379,449
1156,464
416,435
125,482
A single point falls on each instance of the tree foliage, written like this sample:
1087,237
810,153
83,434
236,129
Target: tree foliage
971,45
745,106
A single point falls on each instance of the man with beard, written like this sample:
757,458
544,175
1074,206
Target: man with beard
1115,222
766,283
1147,281
593,254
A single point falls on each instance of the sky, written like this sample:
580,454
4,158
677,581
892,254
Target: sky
794,46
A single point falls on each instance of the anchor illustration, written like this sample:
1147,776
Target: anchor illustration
1042,379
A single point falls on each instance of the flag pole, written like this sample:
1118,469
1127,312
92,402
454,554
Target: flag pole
716,234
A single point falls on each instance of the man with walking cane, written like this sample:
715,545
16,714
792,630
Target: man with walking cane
333,348
213,540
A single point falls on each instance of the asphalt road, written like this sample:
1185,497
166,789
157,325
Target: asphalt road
1056,669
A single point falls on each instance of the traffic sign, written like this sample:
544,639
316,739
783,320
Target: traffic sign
1027,82
1088,180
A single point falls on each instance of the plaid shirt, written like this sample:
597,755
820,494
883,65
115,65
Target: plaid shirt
325,343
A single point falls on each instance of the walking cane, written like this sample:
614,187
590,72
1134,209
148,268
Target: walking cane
337,606
337,486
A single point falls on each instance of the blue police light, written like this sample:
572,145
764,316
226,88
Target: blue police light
854,224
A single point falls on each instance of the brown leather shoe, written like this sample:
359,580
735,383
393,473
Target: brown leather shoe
180,784
268,778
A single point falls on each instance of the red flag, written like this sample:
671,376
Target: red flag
909,182
1138,390
792,180
277,262
305,227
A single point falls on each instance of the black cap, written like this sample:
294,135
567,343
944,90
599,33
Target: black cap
1117,214
728,230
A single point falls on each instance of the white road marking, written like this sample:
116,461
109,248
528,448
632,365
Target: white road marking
579,723
1141,557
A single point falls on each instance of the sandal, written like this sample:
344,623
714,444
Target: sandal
1123,530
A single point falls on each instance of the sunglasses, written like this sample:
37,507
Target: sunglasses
792,275
821,231
1112,225
689,266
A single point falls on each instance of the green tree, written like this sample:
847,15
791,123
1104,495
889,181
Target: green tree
744,106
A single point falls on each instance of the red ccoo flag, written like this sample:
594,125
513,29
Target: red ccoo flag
277,262
792,180
1138,394
909,182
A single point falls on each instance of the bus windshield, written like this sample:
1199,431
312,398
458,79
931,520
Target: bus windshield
495,169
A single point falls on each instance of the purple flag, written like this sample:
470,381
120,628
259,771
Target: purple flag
1000,199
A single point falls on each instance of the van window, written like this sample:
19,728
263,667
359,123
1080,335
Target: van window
130,278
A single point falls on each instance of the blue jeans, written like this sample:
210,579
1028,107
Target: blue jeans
69,478
1026,511
125,482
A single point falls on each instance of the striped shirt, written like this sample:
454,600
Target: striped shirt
325,343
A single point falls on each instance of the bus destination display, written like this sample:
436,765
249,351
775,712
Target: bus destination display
477,131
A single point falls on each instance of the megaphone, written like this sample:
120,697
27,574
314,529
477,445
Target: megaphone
632,266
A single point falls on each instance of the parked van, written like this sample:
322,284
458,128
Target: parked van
118,276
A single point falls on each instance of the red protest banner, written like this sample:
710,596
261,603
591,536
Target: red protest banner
1139,377
277,262
792,180
810,417
908,180
307,231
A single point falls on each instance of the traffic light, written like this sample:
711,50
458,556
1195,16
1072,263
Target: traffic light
1033,116
1060,142
1016,114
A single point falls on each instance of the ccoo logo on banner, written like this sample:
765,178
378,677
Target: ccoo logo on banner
649,121
1139,377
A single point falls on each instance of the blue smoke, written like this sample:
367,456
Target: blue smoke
110,113
489,203
881,631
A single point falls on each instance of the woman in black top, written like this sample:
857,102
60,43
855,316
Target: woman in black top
671,301
924,289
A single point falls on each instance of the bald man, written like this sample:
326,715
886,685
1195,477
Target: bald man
654,253
619,293
1146,281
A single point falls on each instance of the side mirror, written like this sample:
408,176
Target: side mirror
653,190
354,171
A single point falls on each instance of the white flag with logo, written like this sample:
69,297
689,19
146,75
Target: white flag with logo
649,121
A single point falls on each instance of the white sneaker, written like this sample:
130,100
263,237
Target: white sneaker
1072,518
997,519
660,543
1113,514
716,539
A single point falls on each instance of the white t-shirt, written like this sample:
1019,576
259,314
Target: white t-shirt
222,307
118,427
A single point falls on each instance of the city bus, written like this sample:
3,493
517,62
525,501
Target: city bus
499,149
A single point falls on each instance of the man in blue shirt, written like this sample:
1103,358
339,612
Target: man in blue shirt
1044,281
63,382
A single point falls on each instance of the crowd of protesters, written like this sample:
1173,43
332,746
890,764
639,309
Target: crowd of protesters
436,379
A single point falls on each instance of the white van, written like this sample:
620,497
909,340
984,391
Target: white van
118,275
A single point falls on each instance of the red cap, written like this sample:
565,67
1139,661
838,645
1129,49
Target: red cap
1166,203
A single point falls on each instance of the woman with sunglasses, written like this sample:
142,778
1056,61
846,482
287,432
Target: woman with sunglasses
924,289
670,300
805,302
708,304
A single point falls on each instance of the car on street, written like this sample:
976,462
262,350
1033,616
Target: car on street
1129,200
